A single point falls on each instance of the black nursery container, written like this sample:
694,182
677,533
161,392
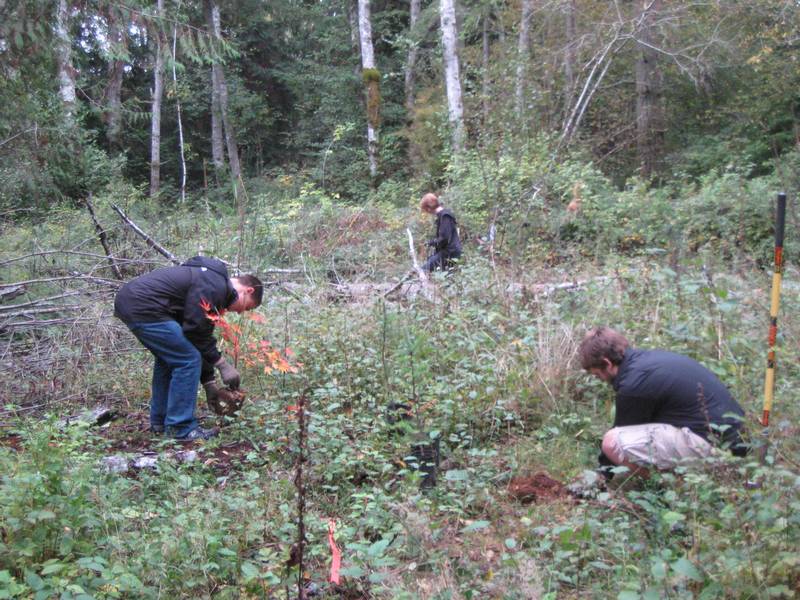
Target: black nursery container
427,461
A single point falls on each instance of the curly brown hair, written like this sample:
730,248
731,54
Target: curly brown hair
600,343
429,202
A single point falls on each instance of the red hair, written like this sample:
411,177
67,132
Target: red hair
429,202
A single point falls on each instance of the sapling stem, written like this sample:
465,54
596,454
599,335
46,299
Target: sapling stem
301,491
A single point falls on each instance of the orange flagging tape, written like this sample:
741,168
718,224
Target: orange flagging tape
336,555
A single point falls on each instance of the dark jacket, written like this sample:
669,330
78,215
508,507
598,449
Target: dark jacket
176,293
446,240
654,386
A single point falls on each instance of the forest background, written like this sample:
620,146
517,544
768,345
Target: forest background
609,162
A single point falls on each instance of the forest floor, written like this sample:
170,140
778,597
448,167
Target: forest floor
487,364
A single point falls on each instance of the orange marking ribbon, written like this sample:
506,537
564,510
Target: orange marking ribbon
336,555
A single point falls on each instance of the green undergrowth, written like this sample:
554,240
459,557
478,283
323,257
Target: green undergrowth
483,365
488,370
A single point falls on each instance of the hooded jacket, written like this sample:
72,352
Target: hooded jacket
447,240
176,293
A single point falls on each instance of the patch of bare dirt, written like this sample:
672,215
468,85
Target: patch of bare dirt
536,488
12,440
131,435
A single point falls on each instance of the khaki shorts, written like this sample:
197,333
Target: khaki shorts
658,444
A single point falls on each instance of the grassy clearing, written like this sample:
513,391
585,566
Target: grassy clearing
488,369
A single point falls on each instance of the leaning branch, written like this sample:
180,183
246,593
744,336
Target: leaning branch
422,275
150,241
101,233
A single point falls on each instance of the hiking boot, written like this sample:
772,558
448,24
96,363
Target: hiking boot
156,429
199,433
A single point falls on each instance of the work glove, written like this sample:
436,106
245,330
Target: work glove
229,374
212,395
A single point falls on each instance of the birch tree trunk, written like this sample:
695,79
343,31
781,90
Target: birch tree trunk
217,143
66,73
157,94
650,128
371,77
570,30
452,73
221,86
355,43
116,70
523,50
411,61
178,110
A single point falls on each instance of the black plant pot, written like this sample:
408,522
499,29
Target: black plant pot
398,417
427,461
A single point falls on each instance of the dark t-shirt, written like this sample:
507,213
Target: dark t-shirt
655,386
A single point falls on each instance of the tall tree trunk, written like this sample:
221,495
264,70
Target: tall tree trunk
570,30
66,73
372,78
485,56
523,50
217,143
116,70
355,44
218,81
411,60
155,118
178,110
649,94
452,73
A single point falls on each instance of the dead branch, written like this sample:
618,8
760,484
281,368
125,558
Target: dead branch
74,277
103,240
11,291
136,261
150,241
43,310
405,278
40,302
45,323
422,275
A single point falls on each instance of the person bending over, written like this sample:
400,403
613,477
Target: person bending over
167,310
669,407
446,245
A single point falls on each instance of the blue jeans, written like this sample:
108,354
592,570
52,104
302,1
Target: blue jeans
176,375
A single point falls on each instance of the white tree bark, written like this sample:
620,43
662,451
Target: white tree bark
178,109
157,94
66,73
411,60
217,143
570,30
369,71
452,73
523,50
